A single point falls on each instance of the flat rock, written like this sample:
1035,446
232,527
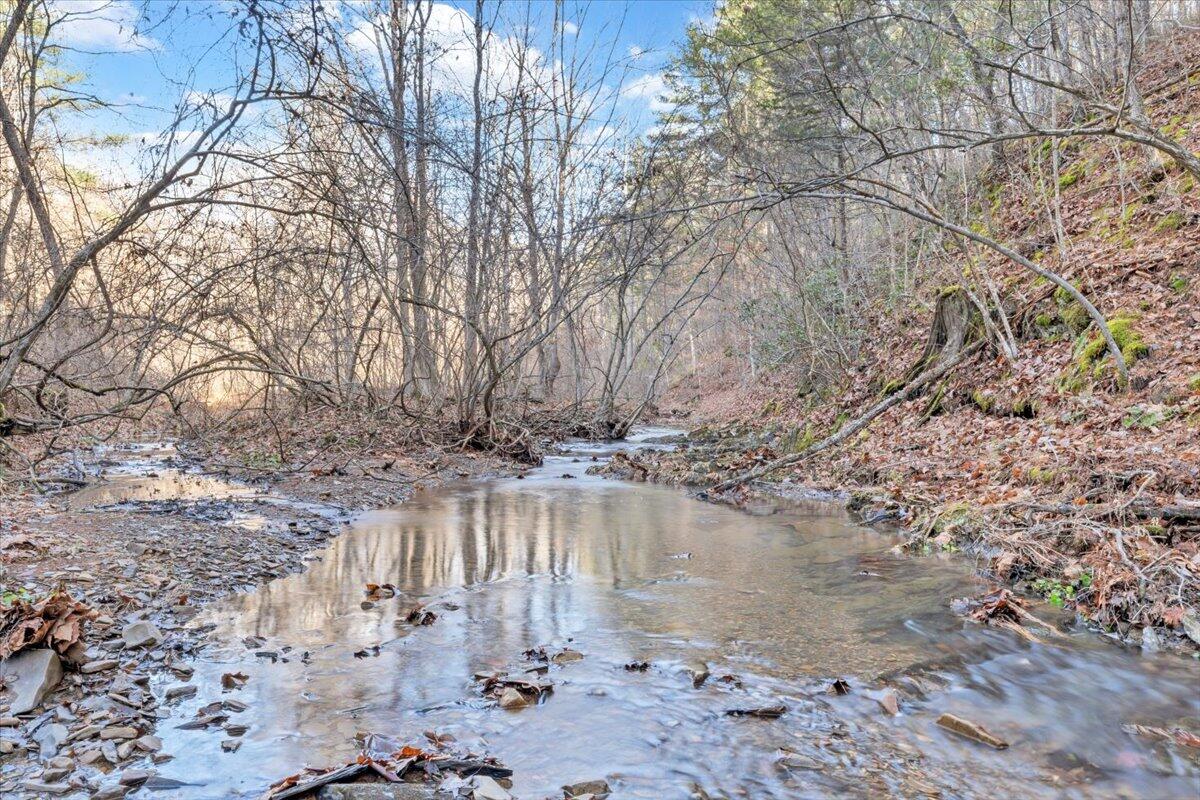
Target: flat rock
98,666
971,730
140,634
178,692
1191,626
566,656
110,793
589,789
135,777
376,791
46,788
485,788
119,732
32,674
54,774
151,744
511,698
50,737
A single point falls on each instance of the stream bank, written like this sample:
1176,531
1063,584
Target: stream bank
156,534
1127,569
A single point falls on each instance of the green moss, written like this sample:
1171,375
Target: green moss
1171,222
1071,382
985,402
1044,320
798,441
1024,406
1042,474
1091,356
1194,382
955,516
1146,417
1178,283
1076,318
1064,298
1186,184
1072,175
893,386
1059,593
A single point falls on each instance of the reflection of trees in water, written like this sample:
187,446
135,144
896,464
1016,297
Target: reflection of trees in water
465,538
755,593
789,594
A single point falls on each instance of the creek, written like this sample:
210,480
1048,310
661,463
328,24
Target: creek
782,598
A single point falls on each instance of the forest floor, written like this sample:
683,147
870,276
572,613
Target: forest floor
154,535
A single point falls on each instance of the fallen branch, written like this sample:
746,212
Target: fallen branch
1142,510
911,389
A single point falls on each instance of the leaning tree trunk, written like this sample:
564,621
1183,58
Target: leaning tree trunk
955,335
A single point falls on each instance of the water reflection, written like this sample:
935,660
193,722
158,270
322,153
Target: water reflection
626,572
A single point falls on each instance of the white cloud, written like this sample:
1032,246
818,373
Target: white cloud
570,28
450,36
101,26
651,88
636,51
216,101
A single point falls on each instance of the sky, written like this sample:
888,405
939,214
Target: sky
143,55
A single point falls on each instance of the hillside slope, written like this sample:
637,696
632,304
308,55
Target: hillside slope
1085,488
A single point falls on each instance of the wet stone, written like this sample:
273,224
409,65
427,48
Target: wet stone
49,738
32,674
46,788
140,634
179,692
110,793
91,756
119,732
135,777
586,789
510,698
151,744
486,788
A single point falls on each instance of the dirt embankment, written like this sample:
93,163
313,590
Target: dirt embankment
1074,484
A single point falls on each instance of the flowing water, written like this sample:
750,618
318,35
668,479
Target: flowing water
784,601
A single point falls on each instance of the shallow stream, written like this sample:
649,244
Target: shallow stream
784,601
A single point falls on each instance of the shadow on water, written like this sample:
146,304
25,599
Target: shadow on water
785,602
